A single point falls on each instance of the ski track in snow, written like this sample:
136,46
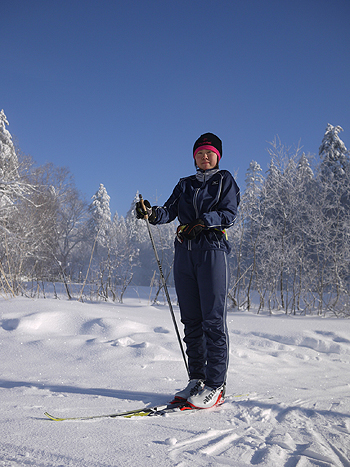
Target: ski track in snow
287,405
268,434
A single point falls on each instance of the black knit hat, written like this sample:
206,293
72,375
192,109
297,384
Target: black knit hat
208,141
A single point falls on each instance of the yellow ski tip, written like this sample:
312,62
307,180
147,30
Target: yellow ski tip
53,418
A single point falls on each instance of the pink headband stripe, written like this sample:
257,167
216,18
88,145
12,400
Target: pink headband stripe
209,148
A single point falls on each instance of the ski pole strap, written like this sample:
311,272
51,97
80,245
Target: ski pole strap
144,210
179,231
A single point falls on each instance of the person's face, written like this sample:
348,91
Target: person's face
206,159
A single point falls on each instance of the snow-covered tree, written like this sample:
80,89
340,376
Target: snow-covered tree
11,185
100,230
100,212
246,232
253,180
304,171
8,157
124,257
13,190
333,153
71,218
279,245
136,227
335,190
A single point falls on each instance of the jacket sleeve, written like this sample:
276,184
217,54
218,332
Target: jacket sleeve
225,212
168,212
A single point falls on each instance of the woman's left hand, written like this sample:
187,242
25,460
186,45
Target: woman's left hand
193,229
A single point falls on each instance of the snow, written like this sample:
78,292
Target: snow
288,393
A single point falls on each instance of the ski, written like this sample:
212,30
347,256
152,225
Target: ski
173,406
143,412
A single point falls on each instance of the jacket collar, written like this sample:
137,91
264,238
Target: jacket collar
204,175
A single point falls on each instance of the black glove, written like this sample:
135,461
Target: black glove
193,229
141,213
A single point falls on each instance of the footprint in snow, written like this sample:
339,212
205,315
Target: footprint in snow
161,330
9,324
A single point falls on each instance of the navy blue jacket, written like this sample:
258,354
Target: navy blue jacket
210,195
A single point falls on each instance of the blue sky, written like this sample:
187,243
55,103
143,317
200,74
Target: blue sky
118,91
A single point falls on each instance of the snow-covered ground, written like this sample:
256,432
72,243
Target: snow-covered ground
288,391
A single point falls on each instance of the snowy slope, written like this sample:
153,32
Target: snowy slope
288,393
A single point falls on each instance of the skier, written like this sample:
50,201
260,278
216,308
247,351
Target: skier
205,205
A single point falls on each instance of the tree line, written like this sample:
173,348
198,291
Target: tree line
292,235
291,240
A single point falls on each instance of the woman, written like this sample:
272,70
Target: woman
205,205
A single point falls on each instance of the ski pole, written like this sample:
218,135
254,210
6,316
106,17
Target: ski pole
164,283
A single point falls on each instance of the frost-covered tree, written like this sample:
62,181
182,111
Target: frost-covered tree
335,189
304,170
8,156
136,227
279,245
49,225
333,153
71,216
246,233
253,180
13,190
12,187
100,228
124,256
100,212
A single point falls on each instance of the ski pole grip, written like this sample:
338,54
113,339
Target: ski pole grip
143,207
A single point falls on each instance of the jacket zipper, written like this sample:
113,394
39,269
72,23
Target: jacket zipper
195,202
189,245
195,197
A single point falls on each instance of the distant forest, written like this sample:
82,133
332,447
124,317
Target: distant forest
290,243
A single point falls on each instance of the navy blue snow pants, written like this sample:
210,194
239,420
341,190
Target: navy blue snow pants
201,282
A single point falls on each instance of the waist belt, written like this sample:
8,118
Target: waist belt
180,229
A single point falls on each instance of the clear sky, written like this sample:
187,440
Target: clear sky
118,91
